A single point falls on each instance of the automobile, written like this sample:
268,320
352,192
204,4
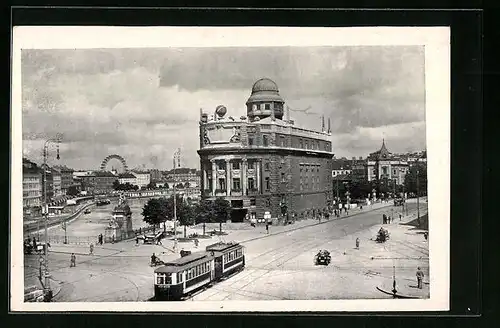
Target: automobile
322,258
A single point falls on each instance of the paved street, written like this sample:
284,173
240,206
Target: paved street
279,266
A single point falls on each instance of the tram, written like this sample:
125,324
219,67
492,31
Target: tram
182,277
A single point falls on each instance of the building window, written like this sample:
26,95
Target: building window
268,185
301,143
254,107
252,202
394,172
262,106
265,140
236,165
251,165
251,183
221,165
267,166
282,141
307,145
236,184
267,106
222,184
283,177
250,141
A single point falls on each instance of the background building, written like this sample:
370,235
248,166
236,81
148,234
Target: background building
99,182
66,178
262,161
127,177
142,178
184,175
385,165
32,188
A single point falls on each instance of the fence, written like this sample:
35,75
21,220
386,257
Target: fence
86,240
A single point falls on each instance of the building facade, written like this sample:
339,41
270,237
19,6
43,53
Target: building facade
142,179
99,182
32,188
184,175
126,177
262,161
66,178
56,182
383,164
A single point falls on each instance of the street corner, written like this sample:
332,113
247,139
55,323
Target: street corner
405,289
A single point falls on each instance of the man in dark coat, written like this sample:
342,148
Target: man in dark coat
420,277
384,219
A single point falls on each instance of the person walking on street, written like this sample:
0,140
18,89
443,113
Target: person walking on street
137,240
34,244
357,243
72,260
91,252
267,227
420,277
196,243
384,219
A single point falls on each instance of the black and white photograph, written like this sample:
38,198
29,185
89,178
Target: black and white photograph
230,169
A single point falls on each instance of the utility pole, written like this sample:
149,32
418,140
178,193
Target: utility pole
176,161
45,209
418,193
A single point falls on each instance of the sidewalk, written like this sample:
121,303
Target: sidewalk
405,289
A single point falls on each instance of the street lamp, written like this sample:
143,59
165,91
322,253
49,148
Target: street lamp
418,192
176,162
45,210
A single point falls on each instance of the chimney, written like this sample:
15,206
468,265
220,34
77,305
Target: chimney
329,129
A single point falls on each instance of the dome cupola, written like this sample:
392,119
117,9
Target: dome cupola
265,100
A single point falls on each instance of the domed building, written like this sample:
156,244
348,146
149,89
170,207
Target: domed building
264,164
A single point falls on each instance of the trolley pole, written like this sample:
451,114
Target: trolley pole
45,209
176,161
418,194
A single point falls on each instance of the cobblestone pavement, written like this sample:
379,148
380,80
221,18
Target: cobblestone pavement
279,265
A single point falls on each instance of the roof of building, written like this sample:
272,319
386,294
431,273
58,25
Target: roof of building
382,153
63,168
126,175
265,89
100,174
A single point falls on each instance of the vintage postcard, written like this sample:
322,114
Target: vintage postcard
212,169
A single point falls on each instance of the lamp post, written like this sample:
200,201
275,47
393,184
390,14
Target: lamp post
176,162
45,209
394,290
418,193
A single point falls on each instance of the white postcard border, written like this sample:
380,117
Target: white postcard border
438,91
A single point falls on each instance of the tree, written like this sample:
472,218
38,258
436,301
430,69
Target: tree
204,212
180,186
411,179
72,191
151,185
187,185
221,211
166,186
155,212
116,185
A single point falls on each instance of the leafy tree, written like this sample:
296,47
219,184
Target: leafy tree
187,185
204,212
411,179
166,186
72,191
180,186
135,187
155,212
221,211
116,185
151,185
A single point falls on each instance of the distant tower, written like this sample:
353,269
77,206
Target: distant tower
329,128
322,123
265,101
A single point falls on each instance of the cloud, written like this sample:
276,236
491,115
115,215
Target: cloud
144,103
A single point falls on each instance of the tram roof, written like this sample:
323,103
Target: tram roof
220,246
183,263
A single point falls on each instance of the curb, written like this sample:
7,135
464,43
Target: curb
398,295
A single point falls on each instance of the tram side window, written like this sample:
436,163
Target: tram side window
168,278
160,279
179,277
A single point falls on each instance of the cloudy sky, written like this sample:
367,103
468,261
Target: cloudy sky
143,103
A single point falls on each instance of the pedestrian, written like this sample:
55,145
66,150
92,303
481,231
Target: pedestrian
73,260
196,243
158,241
113,239
34,244
384,219
267,227
399,216
420,277
426,235
357,243
137,240
91,249
140,230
